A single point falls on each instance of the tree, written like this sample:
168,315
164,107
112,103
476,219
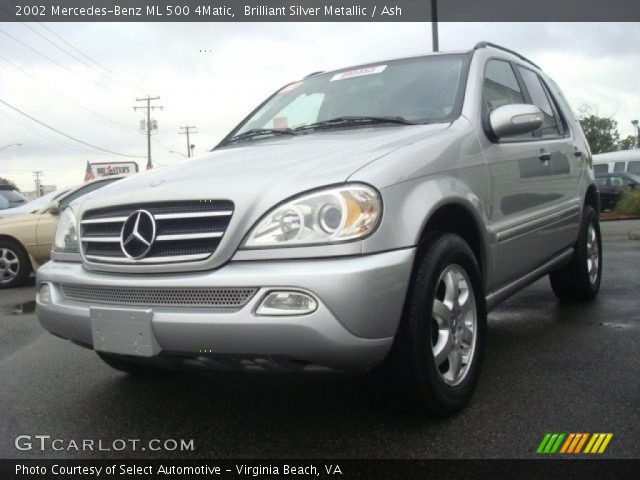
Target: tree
6,181
602,132
627,143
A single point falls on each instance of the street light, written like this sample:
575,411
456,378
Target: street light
10,145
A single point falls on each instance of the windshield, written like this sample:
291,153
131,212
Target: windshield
12,196
417,90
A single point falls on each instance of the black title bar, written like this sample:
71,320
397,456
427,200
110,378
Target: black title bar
320,469
318,10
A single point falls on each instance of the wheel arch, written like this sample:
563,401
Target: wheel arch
456,216
592,197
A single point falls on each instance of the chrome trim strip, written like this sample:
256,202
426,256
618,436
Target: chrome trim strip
101,239
171,216
104,220
536,223
188,236
126,261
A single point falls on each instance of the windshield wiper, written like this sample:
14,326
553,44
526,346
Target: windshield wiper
351,120
255,132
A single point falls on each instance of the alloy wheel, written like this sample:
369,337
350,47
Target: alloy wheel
9,265
593,254
455,325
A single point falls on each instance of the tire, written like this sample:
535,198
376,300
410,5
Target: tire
579,281
426,329
15,265
130,365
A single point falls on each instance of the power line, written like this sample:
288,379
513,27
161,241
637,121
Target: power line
48,137
67,135
56,45
130,85
124,128
51,60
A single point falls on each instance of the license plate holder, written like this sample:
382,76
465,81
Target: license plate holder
126,332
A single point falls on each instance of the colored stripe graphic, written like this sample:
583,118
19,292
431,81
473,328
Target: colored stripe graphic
581,443
573,443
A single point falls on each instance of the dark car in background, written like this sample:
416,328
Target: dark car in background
10,197
611,186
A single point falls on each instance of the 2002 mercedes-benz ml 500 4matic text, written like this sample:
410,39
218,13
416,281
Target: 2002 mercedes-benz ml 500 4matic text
364,216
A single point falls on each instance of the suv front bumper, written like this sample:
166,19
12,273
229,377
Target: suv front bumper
360,302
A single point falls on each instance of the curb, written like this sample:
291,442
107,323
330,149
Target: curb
618,219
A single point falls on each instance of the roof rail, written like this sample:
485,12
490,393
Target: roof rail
314,73
499,47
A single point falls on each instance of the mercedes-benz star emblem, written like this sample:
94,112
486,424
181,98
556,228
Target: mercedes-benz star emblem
138,234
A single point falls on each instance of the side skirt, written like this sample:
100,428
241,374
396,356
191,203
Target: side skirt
496,297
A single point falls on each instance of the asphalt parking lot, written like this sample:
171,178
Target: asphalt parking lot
548,368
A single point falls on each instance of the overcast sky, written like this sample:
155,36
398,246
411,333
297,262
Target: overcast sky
212,75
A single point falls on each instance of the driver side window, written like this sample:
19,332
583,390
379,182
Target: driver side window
500,88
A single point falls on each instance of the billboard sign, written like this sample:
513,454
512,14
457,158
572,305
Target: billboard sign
104,169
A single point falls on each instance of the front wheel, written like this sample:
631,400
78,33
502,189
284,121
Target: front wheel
580,279
15,266
442,335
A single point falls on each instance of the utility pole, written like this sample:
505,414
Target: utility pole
434,25
636,133
187,131
148,107
36,175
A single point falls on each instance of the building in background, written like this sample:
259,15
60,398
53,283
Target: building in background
32,195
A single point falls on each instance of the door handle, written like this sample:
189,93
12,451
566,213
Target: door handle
545,157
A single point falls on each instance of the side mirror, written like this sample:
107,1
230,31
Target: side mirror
54,208
515,119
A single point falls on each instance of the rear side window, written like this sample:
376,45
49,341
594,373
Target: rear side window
539,99
618,167
601,181
616,181
602,168
634,167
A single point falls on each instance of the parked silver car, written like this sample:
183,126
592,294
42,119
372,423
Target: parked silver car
370,215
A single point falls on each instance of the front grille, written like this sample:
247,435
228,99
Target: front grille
185,231
171,297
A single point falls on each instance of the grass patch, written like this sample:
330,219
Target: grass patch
629,203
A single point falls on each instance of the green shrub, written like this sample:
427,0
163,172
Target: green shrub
629,203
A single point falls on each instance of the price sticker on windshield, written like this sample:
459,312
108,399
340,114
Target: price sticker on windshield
359,72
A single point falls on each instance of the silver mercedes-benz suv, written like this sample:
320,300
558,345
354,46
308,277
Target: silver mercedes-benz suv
361,217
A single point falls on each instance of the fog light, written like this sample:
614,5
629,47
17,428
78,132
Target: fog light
286,303
44,294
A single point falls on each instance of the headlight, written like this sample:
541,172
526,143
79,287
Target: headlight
66,238
327,216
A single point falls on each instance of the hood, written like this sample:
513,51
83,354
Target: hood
273,168
255,176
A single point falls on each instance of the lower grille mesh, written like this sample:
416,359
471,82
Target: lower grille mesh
179,297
